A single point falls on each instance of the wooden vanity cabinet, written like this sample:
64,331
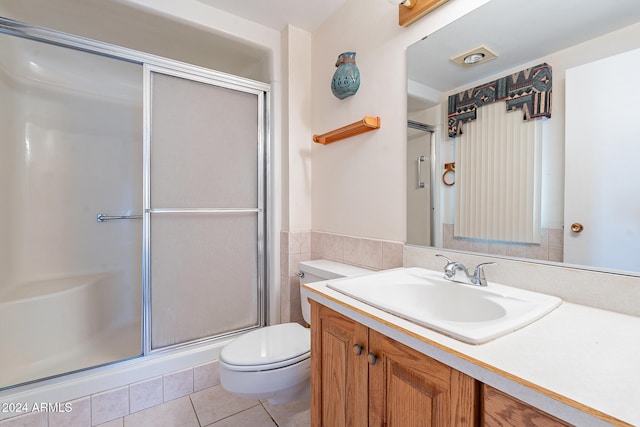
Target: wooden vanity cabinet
339,376
360,377
501,410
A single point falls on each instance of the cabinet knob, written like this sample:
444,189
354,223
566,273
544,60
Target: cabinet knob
357,349
372,358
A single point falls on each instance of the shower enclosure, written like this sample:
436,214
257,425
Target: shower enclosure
132,198
420,180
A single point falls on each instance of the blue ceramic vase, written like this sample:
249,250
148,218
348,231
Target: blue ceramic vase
346,79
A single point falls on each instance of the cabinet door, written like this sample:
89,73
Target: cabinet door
407,388
338,372
501,410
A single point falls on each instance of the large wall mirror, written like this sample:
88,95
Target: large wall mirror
587,209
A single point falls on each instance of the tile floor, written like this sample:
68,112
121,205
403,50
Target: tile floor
210,407
215,407
184,398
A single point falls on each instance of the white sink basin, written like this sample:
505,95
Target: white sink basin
469,313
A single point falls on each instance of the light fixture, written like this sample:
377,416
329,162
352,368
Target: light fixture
409,11
474,56
406,3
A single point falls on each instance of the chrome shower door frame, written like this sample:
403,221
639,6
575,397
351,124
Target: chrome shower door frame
261,91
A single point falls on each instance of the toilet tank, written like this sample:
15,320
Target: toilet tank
319,270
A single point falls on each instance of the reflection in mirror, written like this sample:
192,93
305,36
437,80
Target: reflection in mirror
419,168
593,55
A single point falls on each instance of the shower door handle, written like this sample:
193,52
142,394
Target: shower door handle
104,217
420,159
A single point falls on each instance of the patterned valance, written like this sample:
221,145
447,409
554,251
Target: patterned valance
528,90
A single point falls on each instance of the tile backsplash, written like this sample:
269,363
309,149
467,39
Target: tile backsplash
550,247
296,246
599,289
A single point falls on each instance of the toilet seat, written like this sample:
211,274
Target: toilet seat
268,348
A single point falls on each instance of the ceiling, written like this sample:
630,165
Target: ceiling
547,26
304,14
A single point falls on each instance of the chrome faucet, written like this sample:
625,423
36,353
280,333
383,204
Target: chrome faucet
454,270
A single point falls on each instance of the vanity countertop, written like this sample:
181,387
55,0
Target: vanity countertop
578,363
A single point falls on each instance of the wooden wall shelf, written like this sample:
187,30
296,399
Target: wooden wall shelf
367,124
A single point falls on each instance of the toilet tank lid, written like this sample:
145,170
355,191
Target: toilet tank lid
330,269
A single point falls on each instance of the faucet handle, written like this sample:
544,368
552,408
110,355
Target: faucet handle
478,274
442,256
450,268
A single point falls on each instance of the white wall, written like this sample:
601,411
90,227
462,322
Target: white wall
358,185
296,132
226,29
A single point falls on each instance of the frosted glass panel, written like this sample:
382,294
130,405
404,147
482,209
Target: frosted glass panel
206,157
204,274
204,144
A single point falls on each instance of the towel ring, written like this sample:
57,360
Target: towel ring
449,168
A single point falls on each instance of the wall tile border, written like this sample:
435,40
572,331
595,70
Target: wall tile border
550,247
296,246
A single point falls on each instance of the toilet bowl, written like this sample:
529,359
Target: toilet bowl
274,362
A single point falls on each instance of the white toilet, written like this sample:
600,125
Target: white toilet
274,362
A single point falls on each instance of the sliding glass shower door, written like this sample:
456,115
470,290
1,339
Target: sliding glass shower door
205,206
70,210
